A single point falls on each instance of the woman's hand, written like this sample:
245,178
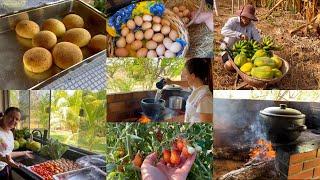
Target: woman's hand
11,162
150,170
28,154
168,81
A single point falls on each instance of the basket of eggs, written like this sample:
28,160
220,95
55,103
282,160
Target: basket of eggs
146,29
183,9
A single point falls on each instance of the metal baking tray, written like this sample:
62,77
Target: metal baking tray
12,72
90,172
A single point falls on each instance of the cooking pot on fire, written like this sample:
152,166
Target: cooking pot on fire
283,124
151,108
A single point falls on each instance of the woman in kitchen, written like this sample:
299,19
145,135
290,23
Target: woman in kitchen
197,75
8,122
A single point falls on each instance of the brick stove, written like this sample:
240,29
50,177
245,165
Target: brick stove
299,159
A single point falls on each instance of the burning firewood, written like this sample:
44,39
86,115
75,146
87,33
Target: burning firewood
262,161
253,171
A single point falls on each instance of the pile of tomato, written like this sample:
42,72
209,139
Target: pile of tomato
46,170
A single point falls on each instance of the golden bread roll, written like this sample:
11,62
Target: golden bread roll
66,54
98,43
45,39
73,21
55,26
27,29
37,60
77,36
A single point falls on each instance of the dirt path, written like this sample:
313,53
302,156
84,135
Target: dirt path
302,53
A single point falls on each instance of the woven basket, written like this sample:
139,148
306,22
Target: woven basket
192,5
261,83
176,24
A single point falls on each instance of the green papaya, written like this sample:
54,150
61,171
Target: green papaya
276,73
240,60
277,60
262,72
264,61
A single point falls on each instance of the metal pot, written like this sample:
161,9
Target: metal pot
152,109
283,124
176,102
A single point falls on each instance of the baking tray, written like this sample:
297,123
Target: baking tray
90,172
12,72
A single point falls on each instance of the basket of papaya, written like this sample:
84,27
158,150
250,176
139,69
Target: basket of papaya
256,63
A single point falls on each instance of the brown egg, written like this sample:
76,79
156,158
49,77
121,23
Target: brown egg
139,35
151,45
165,30
156,27
121,52
121,42
148,34
158,37
182,8
186,12
156,19
130,38
165,22
131,24
138,20
146,25
142,52
125,31
151,54
176,10
185,20
160,50
137,44
180,14
147,18
173,35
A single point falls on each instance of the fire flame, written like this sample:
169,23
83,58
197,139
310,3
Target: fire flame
263,150
144,119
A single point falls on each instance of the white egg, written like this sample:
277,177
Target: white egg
165,30
156,27
156,19
130,38
173,35
148,34
169,54
151,45
160,50
146,25
147,18
121,42
151,54
175,47
139,35
138,20
131,24
125,31
142,52
167,42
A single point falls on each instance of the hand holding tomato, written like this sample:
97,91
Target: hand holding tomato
151,170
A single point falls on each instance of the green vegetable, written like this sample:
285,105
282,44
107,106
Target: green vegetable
54,149
22,133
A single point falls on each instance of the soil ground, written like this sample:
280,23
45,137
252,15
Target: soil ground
302,50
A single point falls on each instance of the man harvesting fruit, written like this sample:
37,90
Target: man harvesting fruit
239,28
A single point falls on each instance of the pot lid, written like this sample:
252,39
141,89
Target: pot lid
282,111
